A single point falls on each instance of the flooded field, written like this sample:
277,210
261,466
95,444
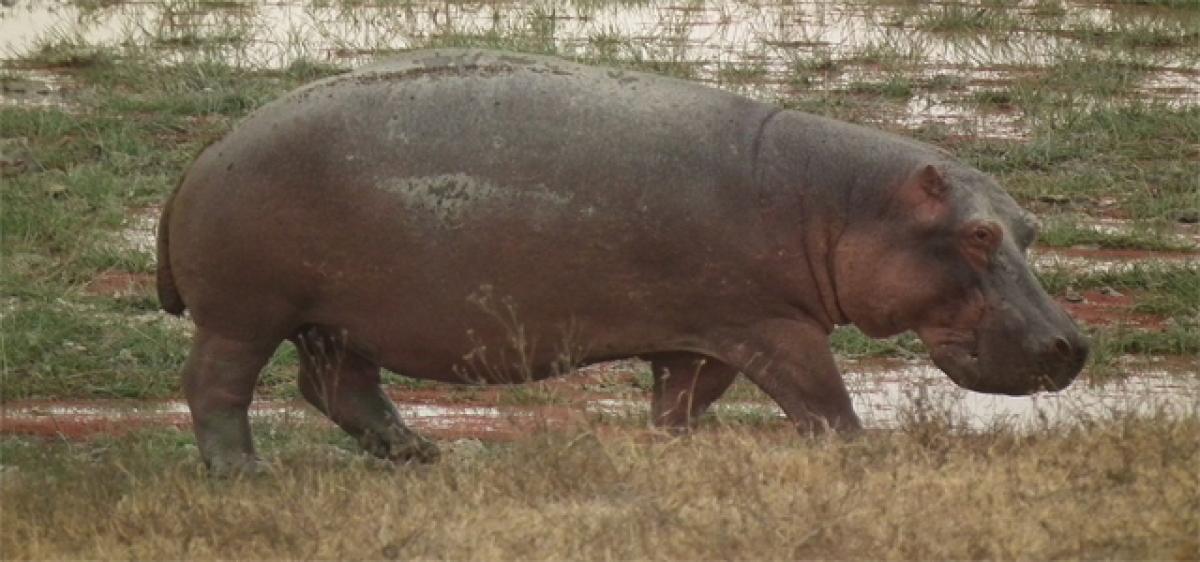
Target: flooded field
938,66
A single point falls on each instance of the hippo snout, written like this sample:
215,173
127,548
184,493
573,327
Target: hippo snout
1064,357
992,364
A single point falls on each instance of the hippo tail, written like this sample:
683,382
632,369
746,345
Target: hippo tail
168,294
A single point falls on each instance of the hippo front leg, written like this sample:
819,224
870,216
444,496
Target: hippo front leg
791,362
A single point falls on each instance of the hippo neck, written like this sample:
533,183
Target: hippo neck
827,171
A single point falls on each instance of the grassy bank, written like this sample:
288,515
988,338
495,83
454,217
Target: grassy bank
1113,488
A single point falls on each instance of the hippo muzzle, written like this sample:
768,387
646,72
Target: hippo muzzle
1024,343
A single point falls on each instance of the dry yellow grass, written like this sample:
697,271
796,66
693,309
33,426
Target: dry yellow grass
1121,488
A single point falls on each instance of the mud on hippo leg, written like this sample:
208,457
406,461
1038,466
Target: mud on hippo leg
685,384
218,381
792,363
345,387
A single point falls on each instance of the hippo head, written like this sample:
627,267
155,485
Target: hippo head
944,254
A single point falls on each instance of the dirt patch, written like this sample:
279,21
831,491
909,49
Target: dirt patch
120,284
1108,308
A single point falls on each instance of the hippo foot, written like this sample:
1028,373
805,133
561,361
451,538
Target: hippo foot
399,445
672,431
236,467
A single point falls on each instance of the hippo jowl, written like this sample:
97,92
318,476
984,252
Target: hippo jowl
483,217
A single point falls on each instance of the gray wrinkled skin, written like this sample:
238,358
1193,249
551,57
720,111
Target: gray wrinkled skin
486,217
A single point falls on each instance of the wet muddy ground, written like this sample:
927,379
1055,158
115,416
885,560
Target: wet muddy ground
886,394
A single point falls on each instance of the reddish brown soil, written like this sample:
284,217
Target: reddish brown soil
33,418
1099,309
120,284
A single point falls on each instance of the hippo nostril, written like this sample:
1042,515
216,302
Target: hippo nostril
1062,346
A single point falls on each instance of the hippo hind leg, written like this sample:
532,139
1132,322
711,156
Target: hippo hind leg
345,386
685,384
218,381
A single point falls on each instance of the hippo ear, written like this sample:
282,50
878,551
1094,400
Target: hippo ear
930,179
923,195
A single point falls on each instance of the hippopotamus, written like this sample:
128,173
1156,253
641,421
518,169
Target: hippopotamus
470,216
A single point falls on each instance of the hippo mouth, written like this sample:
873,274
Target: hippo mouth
973,368
959,359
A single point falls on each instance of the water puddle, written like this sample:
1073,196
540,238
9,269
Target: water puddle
140,232
766,49
1181,233
1084,260
32,88
887,395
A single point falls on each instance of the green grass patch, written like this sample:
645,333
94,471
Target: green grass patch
492,39
1141,154
76,349
87,175
894,51
848,341
1109,345
1077,76
742,73
1171,290
895,87
1139,32
64,50
992,97
966,18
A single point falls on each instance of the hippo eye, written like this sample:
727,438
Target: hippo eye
982,238
983,235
